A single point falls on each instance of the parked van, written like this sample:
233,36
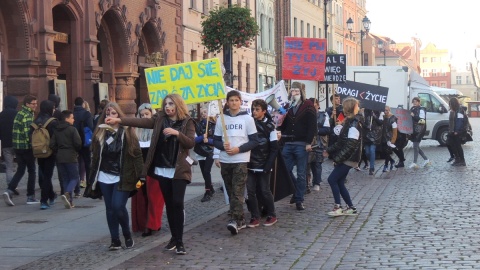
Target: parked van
403,85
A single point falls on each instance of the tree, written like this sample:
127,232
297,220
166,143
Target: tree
228,26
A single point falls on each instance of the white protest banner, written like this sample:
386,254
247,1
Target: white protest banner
275,97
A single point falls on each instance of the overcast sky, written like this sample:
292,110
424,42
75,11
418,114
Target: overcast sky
453,25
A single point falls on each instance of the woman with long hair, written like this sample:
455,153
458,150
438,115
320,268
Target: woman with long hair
168,159
457,128
148,203
116,165
346,152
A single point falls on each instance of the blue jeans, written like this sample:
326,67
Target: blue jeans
370,152
116,208
9,155
337,184
296,155
69,174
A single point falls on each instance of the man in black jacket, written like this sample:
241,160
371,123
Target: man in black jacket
262,160
6,122
83,118
298,129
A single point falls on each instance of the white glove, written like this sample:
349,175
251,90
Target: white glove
337,129
391,144
381,115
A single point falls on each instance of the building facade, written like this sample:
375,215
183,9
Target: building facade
266,55
435,66
86,42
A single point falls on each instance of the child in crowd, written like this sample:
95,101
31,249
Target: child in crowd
234,156
67,142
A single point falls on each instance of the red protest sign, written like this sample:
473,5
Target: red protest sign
304,58
404,120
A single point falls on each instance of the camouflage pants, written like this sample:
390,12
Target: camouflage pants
235,177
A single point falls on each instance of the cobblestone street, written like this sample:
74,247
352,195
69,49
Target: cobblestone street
408,219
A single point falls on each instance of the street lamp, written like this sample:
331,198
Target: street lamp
366,25
383,46
325,2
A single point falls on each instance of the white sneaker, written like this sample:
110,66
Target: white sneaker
427,163
316,188
413,166
337,211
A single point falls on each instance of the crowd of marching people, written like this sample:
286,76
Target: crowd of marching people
148,158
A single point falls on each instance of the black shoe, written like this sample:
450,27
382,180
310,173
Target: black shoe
171,245
212,191
147,232
292,199
221,189
15,191
451,159
400,165
207,196
300,206
115,245
459,164
129,242
308,191
181,249
370,172
365,167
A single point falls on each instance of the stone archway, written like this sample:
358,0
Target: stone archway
16,47
115,58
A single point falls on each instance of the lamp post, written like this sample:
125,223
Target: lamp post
382,46
228,59
325,2
366,25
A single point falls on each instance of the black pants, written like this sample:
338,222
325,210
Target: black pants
25,159
206,168
259,181
457,147
45,174
86,156
173,191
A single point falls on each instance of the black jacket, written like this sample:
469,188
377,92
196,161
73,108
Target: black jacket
301,126
373,128
42,118
418,129
83,118
263,156
66,143
348,150
6,120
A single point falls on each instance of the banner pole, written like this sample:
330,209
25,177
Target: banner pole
222,118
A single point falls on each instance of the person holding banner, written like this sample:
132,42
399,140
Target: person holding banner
298,129
204,151
346,153
419,116
235,138
335,112
168,159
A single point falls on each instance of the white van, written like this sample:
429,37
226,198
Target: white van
403,85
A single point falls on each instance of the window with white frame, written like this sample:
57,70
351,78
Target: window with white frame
314,31
459,79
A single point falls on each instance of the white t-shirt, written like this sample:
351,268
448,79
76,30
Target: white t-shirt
238,128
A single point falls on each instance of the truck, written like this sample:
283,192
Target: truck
404,84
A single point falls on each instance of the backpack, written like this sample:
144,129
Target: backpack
87,135
41,140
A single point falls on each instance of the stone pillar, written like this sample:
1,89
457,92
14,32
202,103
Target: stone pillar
125,92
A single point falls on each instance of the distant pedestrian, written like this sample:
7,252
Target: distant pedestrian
168,159
116,164
419,117
7,116
373,135
389,137
204,151
234,156
46,165
457,128
58,115
66,143
83,119
148,203
346,153
23,151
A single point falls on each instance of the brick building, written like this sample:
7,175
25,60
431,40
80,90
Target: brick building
86,42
